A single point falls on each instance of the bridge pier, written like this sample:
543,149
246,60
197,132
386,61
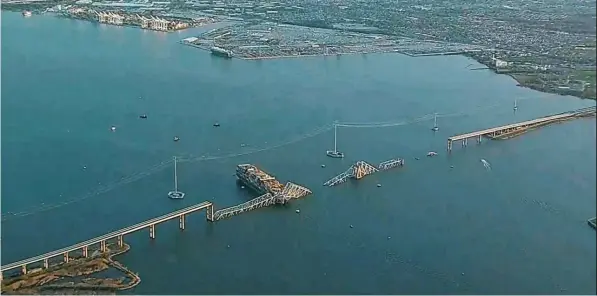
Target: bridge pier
181,221
209,213
120,241
152,231
46,263
449,145
66,257
24,269
103,246
85,251
464,142
479,139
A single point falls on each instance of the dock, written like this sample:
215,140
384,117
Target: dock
592,222
521,127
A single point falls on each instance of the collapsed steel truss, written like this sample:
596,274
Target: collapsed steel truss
390,164
259,202
361,169
357,171
289,192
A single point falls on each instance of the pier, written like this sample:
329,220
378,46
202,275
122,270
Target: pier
517,128
361,169
102,240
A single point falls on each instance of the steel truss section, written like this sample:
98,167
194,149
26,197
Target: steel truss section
258,202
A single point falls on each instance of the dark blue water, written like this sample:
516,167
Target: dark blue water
517,228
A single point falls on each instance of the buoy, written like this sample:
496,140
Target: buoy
228,246
298,211
389,237
84,167
351,226
113,128
378,185
323,165
451,166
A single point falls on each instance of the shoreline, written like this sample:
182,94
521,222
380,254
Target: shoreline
42,280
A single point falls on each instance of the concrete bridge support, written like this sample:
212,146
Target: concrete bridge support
46,263
103,246
120,241
181,221
449,145
152,231
24,269
479,138
209,213
85,251
66,257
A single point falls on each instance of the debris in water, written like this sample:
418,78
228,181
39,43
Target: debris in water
486,164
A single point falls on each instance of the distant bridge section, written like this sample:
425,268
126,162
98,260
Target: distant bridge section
520,127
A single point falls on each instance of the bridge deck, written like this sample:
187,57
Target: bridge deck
514,125
110,235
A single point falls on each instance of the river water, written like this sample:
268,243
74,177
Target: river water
517,228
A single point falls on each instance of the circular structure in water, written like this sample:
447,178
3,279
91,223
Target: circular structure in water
176,195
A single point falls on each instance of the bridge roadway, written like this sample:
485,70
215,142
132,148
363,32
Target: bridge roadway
514,126
509,126
110,235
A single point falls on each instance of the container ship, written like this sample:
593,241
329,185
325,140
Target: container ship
258,180
221,52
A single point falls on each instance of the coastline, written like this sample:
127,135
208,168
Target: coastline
518,77
42,280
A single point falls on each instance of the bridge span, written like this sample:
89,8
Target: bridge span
119,234
520,126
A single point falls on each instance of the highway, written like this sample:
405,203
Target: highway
110,235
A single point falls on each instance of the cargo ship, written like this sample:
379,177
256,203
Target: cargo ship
221,52
258,180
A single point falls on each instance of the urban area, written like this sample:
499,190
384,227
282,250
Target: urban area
544,45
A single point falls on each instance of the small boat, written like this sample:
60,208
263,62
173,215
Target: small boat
431,154
435,127
216,124
335,153
176,139
113,128
175,194
27,13
143,116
